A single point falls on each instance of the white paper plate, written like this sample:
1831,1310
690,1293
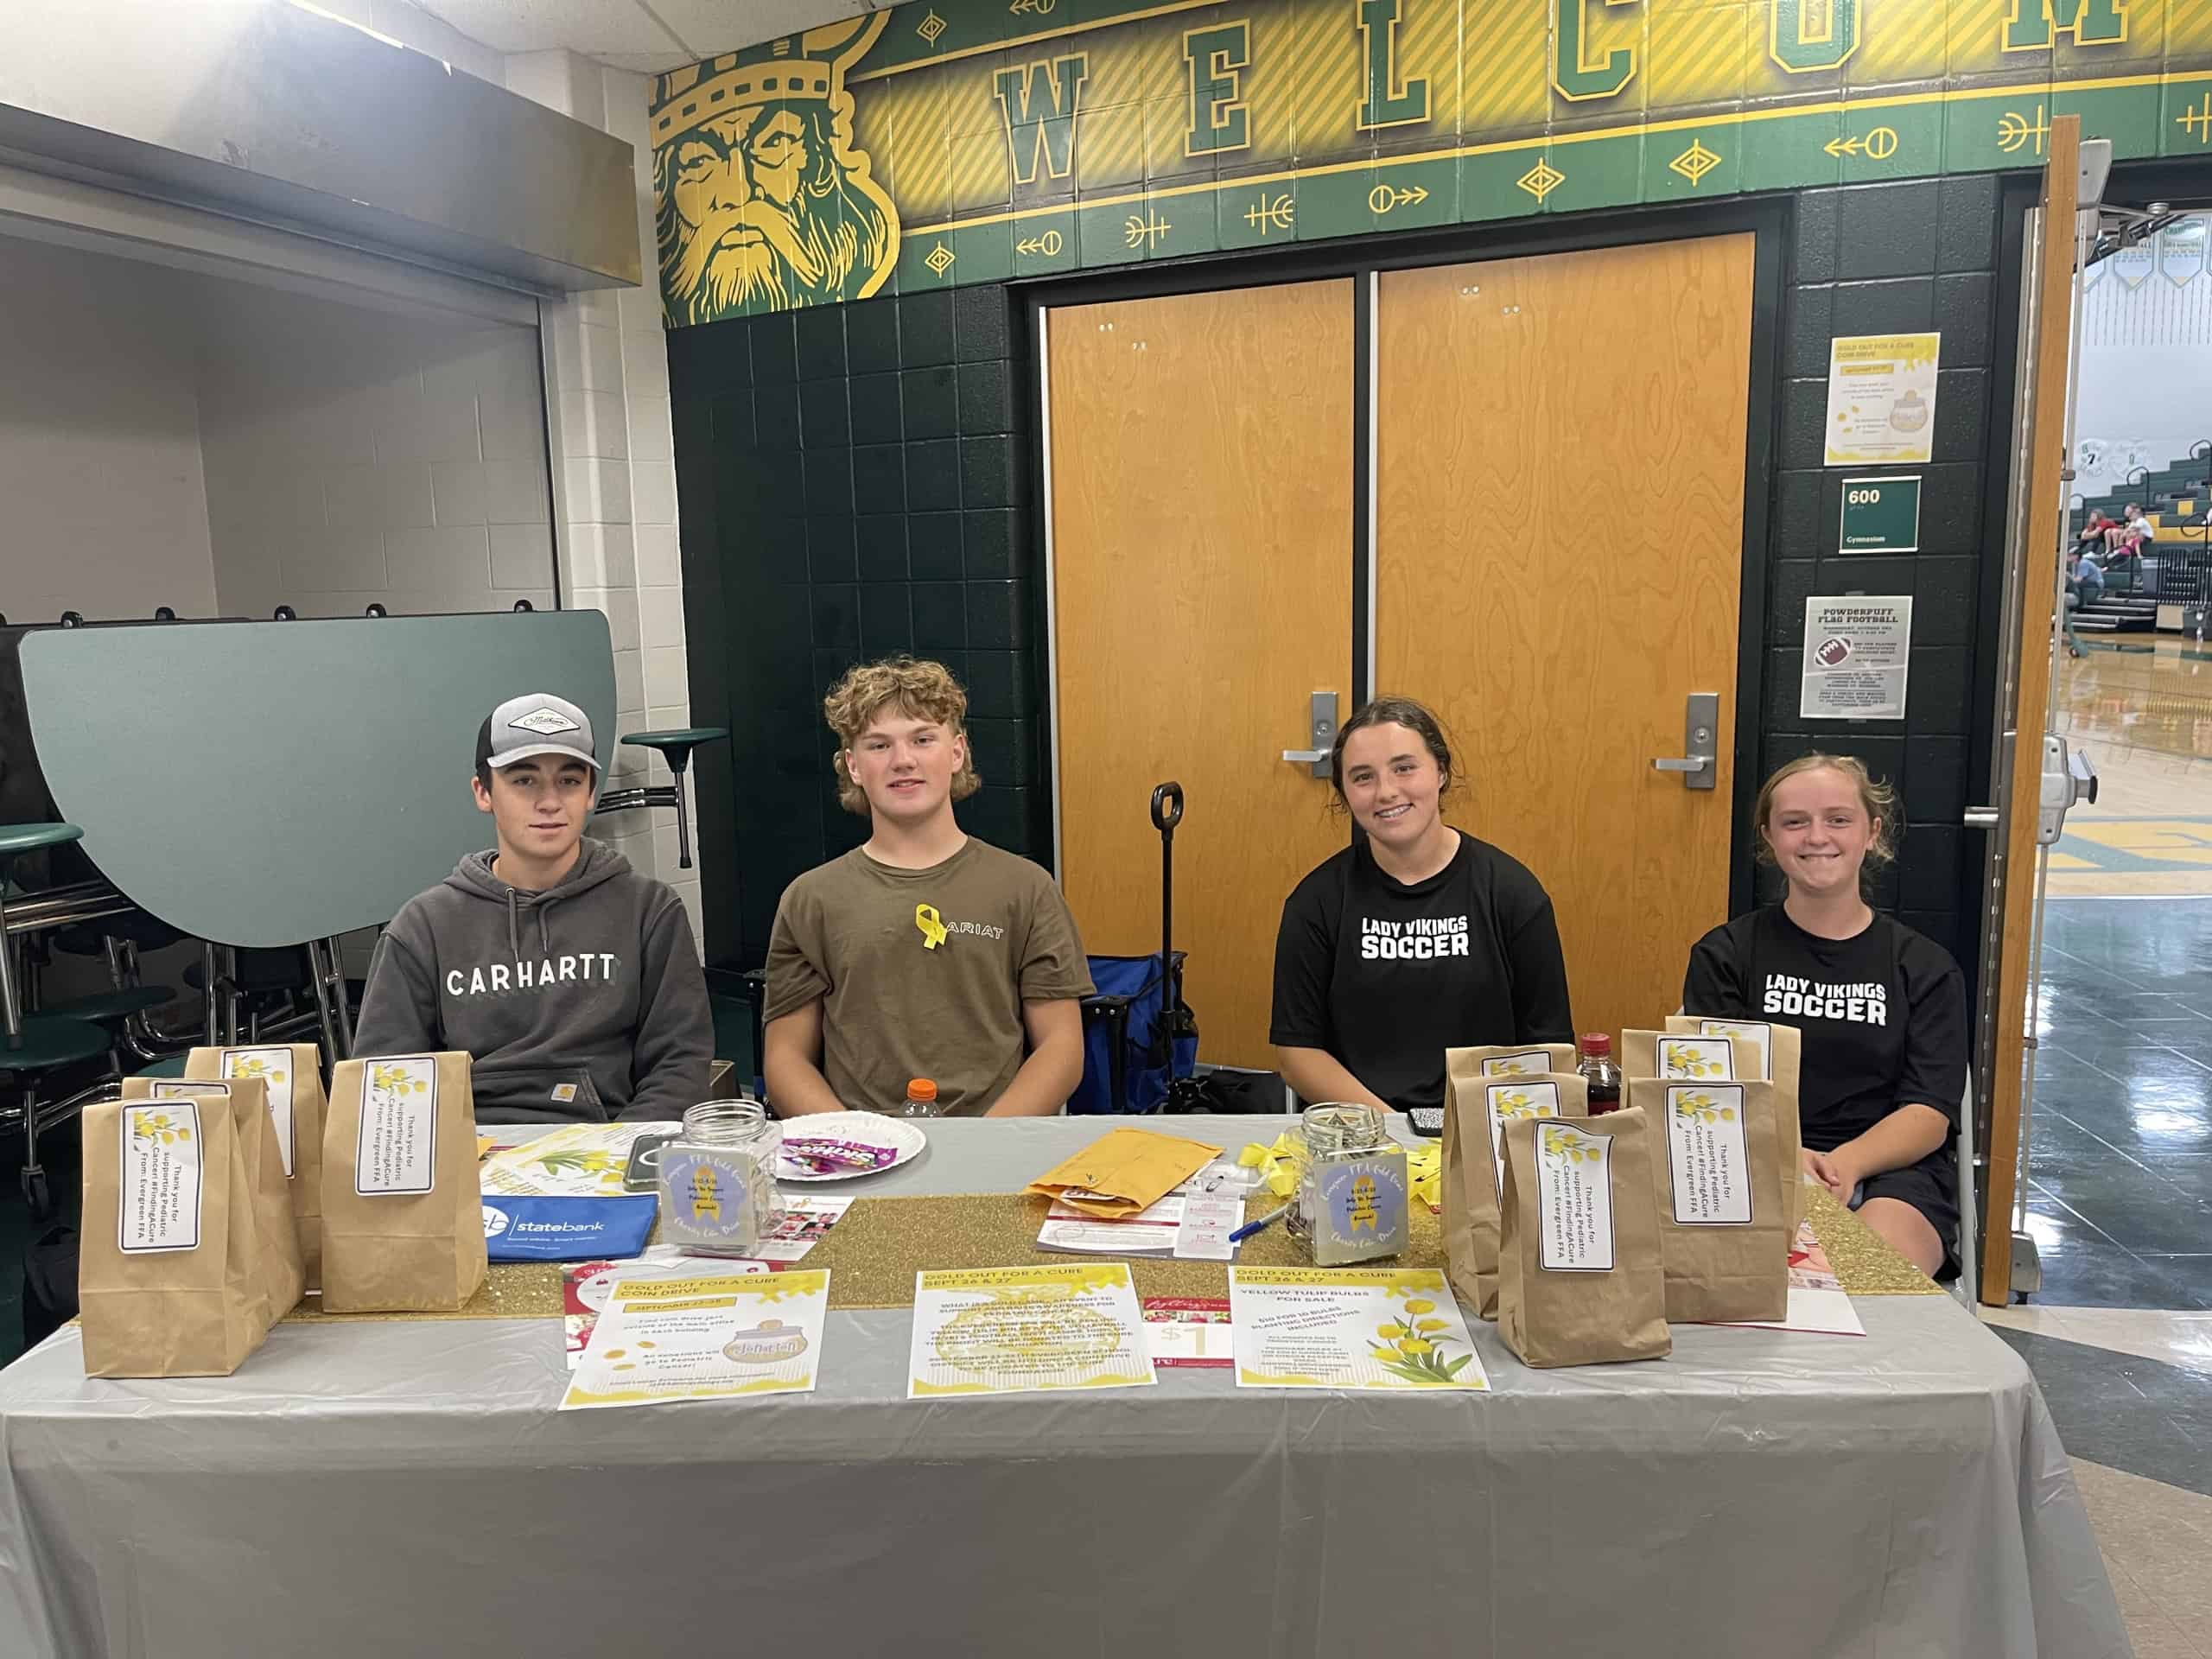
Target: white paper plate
903,1139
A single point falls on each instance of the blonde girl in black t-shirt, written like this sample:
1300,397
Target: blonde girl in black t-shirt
1881,1008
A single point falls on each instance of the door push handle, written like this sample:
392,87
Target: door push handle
1700,768
1320,734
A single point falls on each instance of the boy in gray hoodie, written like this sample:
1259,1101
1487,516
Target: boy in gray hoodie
548,954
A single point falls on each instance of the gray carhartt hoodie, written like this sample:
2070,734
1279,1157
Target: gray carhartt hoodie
596,973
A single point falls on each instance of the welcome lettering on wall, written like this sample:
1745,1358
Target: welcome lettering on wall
944,141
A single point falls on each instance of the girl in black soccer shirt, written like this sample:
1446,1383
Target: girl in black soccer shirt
1882,1009
1416,938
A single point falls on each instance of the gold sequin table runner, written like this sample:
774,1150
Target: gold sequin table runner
874,1252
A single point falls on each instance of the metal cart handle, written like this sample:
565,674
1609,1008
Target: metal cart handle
1167,807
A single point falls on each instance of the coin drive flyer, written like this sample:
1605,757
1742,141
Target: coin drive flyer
1882,398
707,1339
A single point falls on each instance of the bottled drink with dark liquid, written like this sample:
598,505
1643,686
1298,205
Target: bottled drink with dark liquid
1594,1061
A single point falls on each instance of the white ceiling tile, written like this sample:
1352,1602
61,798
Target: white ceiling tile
591,27
711,26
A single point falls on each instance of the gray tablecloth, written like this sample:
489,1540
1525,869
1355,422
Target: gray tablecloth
408,1489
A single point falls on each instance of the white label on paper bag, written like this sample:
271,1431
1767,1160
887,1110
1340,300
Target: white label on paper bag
397,1151
1712,1059
274,1067
1534,1061
1708,1154
1761,1034
1574,1199
160,1196
1507,1100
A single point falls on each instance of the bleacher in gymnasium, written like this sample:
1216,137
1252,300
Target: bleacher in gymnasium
2176,498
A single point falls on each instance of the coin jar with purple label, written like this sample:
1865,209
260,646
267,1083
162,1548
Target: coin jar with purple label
718,1179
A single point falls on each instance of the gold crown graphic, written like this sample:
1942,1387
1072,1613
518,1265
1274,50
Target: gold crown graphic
804,68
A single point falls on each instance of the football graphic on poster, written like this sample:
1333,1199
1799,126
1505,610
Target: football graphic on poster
1832,649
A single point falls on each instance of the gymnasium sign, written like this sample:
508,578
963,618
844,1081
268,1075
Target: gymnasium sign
944,142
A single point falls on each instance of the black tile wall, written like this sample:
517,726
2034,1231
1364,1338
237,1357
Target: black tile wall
1878,259
853,483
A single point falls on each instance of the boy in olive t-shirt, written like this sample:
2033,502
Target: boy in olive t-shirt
924,953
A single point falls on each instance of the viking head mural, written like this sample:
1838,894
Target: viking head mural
762,202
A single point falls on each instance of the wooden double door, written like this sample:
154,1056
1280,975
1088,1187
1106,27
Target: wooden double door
1549,547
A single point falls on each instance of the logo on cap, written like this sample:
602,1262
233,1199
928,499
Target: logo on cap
544,721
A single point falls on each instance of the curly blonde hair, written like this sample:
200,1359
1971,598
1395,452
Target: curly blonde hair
917,689
1877,800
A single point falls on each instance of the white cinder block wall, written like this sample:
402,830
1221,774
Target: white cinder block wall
615,471
356,457
107,512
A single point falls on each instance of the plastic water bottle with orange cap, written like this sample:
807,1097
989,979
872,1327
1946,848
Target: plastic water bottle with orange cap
921,1100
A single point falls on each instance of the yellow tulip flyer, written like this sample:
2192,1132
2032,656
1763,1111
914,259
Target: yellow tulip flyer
1349,1328
985,1330
711,1338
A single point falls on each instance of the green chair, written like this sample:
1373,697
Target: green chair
40,1043
675,748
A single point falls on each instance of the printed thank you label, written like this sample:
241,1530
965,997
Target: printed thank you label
1574,1199
1708,1155
160,1199
274,1067
397,1148
1507,1100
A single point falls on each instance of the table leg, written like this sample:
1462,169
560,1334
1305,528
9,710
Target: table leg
211,992
10,1011
676,763
326,968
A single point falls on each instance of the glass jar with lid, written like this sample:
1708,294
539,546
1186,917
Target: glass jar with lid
718,1179
1351,1186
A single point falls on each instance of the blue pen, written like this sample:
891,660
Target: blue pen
1252,1227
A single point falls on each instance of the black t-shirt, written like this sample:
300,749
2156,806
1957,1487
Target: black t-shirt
1883,1014
1386,976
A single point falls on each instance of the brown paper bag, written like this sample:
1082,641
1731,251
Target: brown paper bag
1725,1229
293,1072
1779,1048
277,1244
167,1278
1475,1106
1580,1276
402,1220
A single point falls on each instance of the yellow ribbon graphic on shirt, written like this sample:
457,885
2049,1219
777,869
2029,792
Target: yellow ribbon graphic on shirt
932,925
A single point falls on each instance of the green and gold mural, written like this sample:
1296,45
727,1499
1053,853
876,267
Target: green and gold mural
944,142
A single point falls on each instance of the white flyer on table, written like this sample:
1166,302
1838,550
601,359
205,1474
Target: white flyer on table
161,1187
797,1225
710,1339
985,1330
1818,1303
1150,1232
1382,1328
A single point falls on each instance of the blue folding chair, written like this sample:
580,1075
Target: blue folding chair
1140,1040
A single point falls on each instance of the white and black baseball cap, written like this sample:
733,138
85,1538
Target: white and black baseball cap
538,723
